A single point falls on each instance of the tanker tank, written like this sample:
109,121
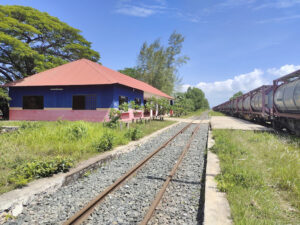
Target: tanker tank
246,103
287,97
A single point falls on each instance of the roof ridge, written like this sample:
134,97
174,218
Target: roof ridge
91,64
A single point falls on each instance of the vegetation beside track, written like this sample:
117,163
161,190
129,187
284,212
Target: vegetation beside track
260,172
40,149
195,113
214,113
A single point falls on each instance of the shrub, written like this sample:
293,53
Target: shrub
134,105
106,142
124,107
134,134
77,131
114,117
22,174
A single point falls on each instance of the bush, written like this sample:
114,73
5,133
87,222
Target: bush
106,142
114,117
77,131
124,107
135,106
134,134
23,174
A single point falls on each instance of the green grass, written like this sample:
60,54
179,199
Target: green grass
195,113
214,113
44,141
260,172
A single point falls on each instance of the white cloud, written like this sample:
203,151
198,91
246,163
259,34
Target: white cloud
284,70
234,3
136,11
280,19
279,4
141,9
220,91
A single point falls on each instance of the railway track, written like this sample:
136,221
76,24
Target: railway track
128,203
83,214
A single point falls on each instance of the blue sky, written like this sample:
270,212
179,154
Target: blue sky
232,44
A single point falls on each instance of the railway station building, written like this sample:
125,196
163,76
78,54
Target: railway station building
79,90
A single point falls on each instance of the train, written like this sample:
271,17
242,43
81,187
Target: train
277,105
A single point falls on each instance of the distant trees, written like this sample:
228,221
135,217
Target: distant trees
192,100
198,98
236,95
32,41
158,65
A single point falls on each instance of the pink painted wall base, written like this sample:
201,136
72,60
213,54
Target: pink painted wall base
53,115
71,115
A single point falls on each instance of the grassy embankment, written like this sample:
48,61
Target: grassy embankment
38,149
214,113
261,176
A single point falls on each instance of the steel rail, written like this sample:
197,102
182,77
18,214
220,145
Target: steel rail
160,194
84,213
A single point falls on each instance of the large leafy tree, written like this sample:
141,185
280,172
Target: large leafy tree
32,41
158,65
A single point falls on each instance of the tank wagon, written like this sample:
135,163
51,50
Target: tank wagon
278,104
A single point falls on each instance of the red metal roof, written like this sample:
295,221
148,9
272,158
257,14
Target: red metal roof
84,72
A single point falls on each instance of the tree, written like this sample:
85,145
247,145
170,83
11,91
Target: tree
32,41
182,105
132,72
4,102
198,98
236,95
158,65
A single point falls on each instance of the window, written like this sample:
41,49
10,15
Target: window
33,102
138,101
84,102
123,99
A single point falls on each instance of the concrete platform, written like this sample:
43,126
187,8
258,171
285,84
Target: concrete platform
227,122
216,210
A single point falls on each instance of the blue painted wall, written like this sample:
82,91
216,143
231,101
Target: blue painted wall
131,93
107,95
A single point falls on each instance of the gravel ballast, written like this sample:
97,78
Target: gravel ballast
182,203
129,204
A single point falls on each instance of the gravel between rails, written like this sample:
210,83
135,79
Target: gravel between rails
182,203
129,204
57,207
